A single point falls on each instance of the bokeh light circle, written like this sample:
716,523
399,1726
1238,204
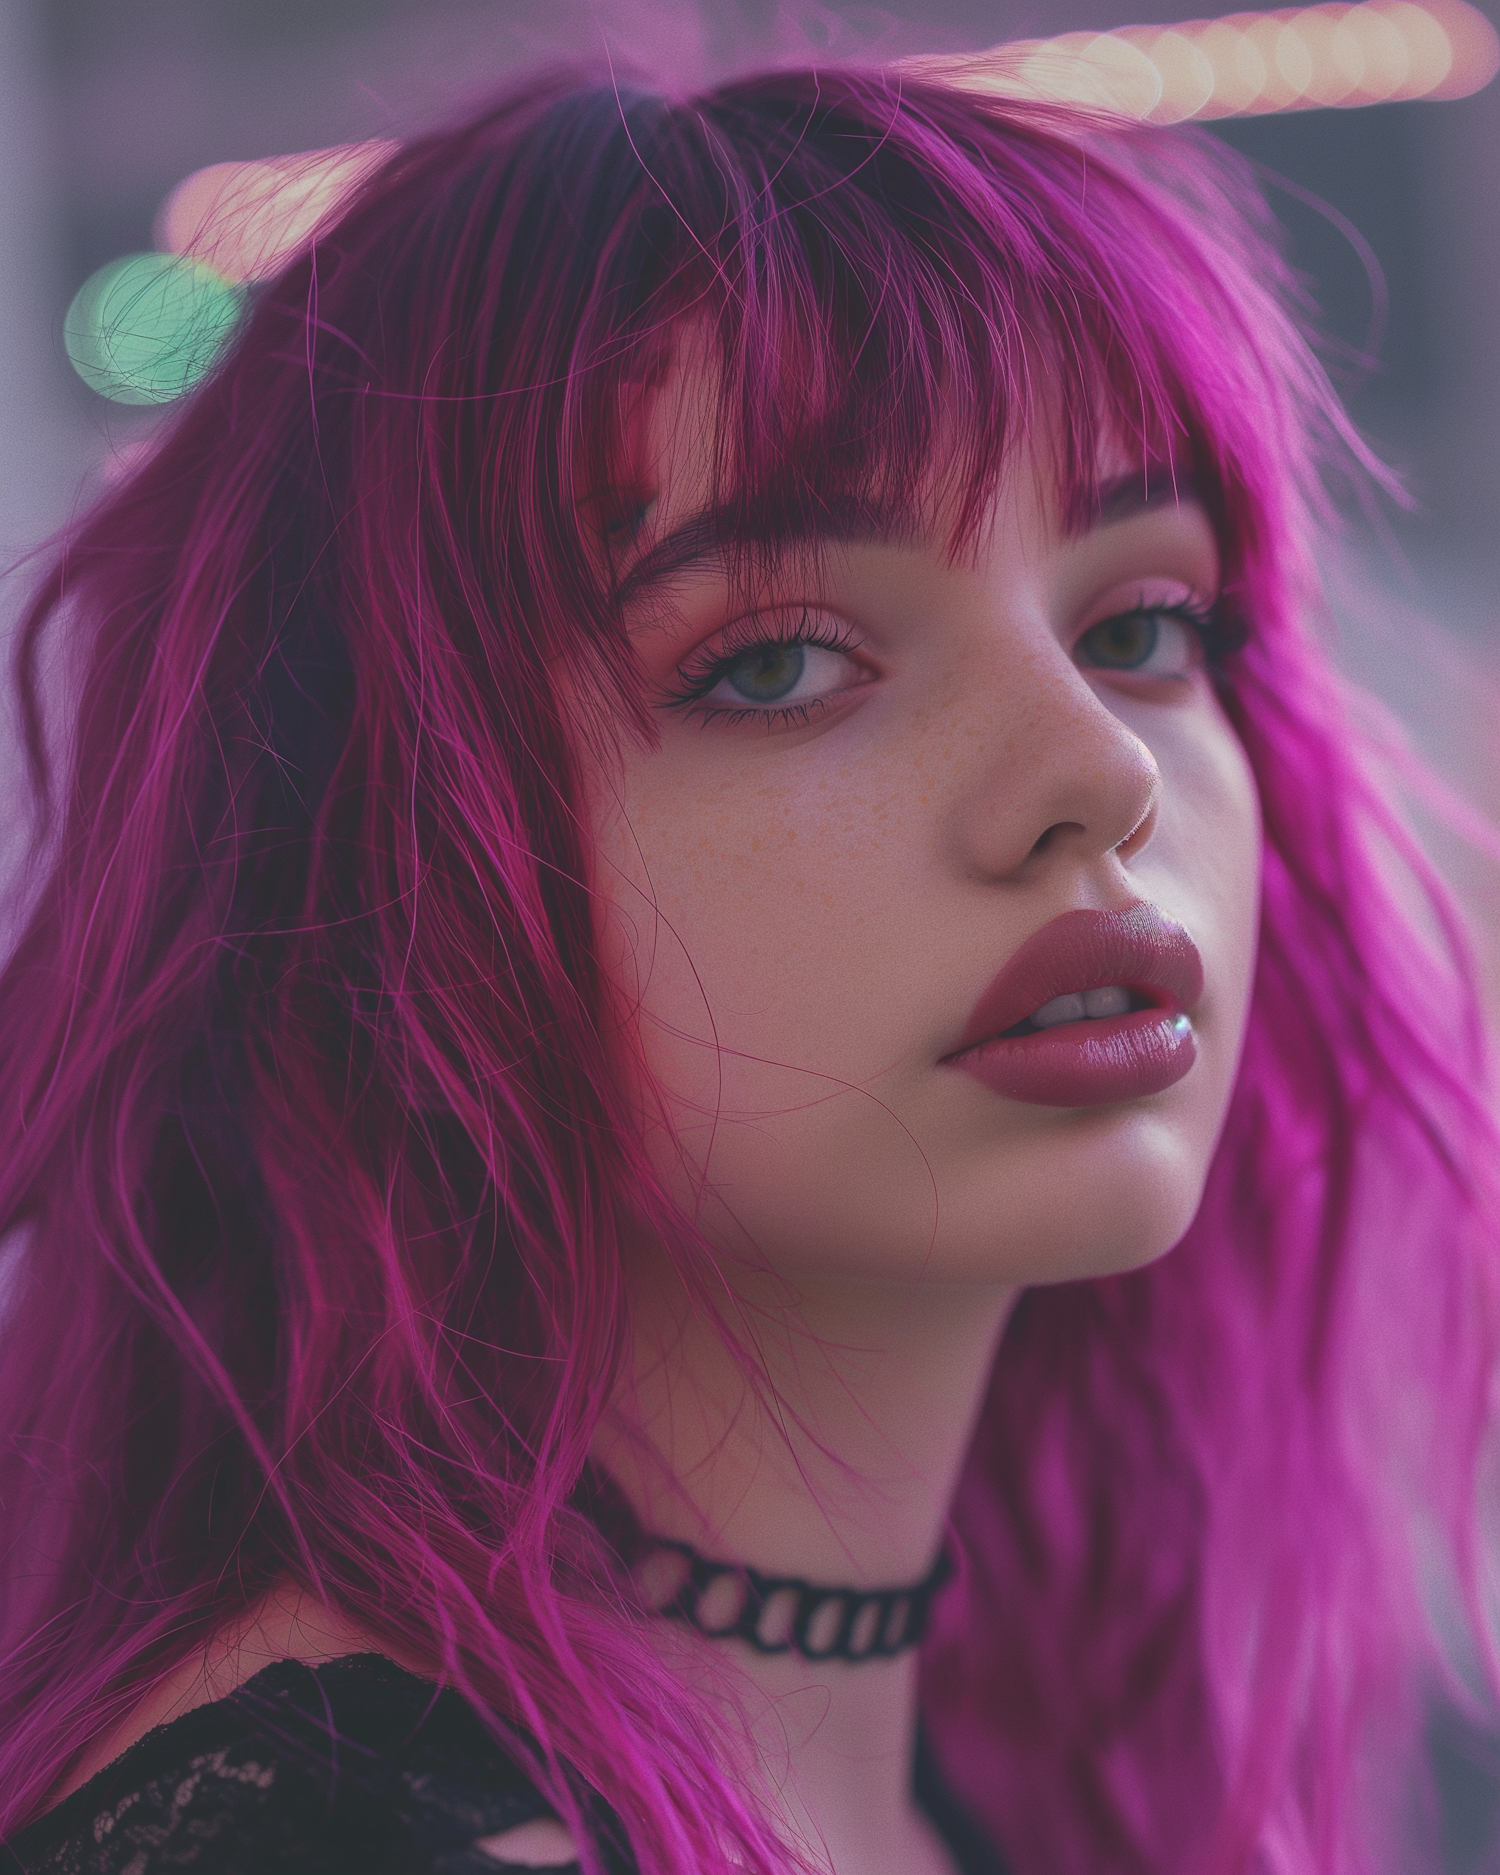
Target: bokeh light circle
147,328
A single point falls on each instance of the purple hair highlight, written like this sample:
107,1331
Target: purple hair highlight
313,1120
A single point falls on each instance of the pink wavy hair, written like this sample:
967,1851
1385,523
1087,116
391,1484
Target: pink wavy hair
311,1141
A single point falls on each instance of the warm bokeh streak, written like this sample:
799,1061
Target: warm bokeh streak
1247,64
247,220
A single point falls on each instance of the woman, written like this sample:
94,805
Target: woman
701,783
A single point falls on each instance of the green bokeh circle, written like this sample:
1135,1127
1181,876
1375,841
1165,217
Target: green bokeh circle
144,329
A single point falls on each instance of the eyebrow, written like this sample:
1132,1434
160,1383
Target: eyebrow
707,535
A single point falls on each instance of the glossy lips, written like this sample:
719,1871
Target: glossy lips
1089,1063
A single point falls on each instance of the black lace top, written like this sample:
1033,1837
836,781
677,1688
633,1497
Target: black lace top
351,1768
355,1765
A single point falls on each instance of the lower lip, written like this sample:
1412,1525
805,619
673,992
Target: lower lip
1087,1064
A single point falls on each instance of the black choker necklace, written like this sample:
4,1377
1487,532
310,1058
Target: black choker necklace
784,1614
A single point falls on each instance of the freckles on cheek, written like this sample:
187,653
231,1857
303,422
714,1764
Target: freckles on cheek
722,880
758,879
725,847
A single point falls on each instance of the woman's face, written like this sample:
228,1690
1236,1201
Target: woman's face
880,774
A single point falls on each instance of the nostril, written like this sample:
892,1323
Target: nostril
1048,837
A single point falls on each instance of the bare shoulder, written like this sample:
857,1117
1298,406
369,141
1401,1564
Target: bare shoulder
286,1624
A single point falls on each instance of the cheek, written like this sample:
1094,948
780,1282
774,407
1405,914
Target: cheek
770,940
1204,866
730,916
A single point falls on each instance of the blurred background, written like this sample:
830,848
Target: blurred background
1392,213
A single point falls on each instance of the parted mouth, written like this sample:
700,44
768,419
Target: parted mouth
1088,966
1115,999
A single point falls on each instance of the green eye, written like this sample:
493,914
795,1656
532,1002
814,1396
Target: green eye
1152,641
778,678
767,673
1124,643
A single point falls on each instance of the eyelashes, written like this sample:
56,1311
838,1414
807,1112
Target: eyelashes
785,669
1219,627
1156,640
1224,630
761,663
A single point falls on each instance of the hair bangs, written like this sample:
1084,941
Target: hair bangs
893,291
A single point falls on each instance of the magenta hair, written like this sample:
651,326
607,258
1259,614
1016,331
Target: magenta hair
313,1154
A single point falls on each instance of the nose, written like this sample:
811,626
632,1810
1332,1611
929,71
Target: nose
1058,779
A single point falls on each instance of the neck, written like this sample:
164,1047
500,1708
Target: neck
838,1468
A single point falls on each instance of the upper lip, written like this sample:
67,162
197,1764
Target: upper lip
1140,948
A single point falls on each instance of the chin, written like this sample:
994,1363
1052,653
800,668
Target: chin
1051,1195
1106,1196
1100,1199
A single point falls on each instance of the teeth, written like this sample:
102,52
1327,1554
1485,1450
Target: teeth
1060,1009
1089,1006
